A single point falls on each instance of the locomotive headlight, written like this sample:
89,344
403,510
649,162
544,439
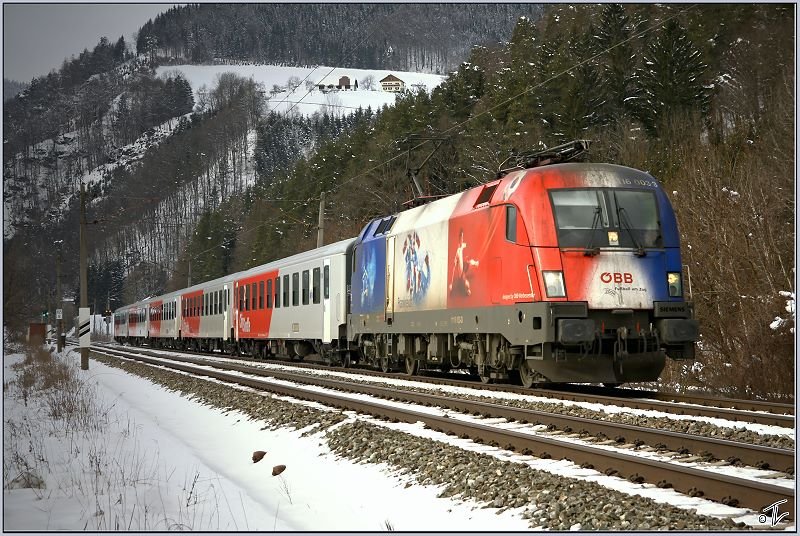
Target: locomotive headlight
554,284
674,284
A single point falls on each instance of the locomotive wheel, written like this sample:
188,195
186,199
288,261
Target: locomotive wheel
526,375
412,366
384,364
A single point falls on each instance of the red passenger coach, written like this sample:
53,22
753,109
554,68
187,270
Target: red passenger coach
253,303
191,306
155,312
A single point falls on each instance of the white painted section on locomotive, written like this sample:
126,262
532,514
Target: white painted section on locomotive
636,293
608,176
421,256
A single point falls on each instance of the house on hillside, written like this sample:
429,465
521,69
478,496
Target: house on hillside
392,83
344,84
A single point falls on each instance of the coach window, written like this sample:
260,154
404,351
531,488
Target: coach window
286,290
277,292
253,297
219,302
241,298
261,294
295,289
269,293
511,223
326,281
315,285
227,299
305,287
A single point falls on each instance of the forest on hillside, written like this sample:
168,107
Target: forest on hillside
407,37
681,91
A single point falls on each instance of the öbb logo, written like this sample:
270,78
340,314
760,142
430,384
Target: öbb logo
616,277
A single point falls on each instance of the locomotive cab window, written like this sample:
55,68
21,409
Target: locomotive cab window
511,223
606,217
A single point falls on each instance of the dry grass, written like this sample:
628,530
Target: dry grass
66,438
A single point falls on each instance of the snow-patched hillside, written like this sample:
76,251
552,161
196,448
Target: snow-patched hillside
306,98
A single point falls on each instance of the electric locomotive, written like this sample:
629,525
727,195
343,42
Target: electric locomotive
568,272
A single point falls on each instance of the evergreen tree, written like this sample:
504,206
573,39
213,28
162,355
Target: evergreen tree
617,58
672,79
120,50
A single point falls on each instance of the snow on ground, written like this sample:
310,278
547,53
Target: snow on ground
335,101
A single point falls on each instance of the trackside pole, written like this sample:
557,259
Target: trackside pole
83,317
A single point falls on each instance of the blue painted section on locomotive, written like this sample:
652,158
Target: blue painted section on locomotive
671,241
368,286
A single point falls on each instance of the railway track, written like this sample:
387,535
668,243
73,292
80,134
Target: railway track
723,488
772,414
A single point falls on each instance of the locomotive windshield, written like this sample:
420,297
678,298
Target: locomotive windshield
606,217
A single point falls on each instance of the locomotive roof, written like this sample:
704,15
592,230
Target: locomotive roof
603,173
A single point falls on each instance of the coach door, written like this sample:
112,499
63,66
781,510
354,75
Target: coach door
225,306
326,300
